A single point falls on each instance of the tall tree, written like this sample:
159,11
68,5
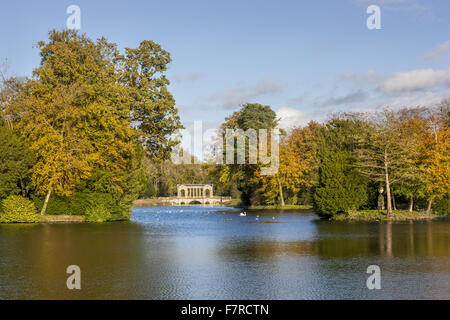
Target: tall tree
340,187
152,106
87,107
10,87
382,152
436,148
297,165
410,175
251,116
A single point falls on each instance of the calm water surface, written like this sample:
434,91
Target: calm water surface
213,253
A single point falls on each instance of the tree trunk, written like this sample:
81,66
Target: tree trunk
44,207
411,204
388,188
430,202
393,200
23,190
281,192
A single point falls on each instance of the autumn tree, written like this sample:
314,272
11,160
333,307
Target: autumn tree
87,107
152,106
410,174
251,116
297,165
382,152
10,87
436,148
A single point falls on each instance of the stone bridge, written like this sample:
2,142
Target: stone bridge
197,194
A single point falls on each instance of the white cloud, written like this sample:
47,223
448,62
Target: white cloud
438,52
290,117
357,81
373,91
350,98
187,77
234,97
297,100
416,80
411,99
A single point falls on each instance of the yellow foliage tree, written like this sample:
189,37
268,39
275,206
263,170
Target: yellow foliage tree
436,148
297,164
73,113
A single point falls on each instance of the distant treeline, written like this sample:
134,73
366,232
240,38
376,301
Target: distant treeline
384,160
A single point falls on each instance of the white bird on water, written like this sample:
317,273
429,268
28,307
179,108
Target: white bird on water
243,214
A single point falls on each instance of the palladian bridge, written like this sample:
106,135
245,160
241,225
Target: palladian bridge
197,193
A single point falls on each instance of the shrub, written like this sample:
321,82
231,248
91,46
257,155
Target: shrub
16,160
442,206
340,189
18,209
98,213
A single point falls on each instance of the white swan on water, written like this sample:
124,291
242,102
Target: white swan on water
243,214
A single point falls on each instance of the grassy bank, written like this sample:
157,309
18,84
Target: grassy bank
278,207
377,215
62,219
149,202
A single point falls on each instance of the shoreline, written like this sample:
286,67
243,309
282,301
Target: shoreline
380,216
62,219
277,207
356,216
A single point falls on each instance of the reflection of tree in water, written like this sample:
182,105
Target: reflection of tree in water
385,238
128,260
343,239
266,250
113,259
391,239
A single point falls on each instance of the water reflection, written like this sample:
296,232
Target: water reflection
212,253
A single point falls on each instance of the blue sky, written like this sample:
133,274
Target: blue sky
305,59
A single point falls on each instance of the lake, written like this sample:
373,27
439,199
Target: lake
213,253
